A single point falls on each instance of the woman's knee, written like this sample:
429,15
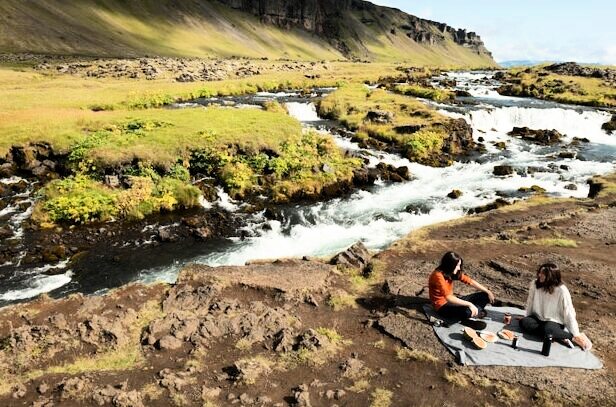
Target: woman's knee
529,324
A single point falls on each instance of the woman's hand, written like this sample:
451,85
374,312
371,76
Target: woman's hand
491,296
474,310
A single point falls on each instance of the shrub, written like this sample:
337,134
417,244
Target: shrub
78,200
424,143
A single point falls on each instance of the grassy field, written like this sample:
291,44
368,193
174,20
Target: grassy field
538,83
207,28
134,135
352,103
56,108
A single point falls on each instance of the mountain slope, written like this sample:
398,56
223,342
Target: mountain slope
300,29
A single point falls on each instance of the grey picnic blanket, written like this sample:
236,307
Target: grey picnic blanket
528,352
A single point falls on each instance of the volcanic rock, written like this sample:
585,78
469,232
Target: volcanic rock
544,137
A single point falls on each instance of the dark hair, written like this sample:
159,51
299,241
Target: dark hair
552,277
449,262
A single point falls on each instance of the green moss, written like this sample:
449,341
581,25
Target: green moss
438,95
424,143
80,199
352,104
542,84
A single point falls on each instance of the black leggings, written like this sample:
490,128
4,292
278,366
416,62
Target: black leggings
457,313
534,326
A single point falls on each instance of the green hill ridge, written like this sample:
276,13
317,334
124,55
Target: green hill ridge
301,29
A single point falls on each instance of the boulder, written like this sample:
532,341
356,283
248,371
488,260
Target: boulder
499,203
503,170
5,232
356,256
112,181
405,286
544,137
397,325
408,129
380,116
301,396
610,126
169,342
455,194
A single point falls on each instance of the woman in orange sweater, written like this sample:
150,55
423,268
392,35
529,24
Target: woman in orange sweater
446,304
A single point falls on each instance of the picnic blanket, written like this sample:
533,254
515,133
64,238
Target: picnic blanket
528,352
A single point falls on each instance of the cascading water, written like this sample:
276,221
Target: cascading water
384,213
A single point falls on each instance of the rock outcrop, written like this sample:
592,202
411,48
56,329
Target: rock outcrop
330,19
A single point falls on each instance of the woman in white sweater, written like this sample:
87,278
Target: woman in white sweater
549,309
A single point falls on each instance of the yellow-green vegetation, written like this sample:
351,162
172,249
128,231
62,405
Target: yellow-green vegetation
257,367
331,334
210,29
314,356
80,199
380,344
152,391
381,398
456,378
556,242
243,345
111,28
341,300
407,354
359,386
235,147
605,185
547,399
543,84
506,394
404,122
438,95
362,281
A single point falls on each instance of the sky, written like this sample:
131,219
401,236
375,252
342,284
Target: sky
541,30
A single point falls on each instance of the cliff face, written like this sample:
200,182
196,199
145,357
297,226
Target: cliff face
328,18
316,16
291,29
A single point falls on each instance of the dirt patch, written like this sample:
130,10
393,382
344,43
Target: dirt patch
266,334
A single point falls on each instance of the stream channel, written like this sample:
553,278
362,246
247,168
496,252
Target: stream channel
377,216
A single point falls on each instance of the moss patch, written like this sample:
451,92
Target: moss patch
379,117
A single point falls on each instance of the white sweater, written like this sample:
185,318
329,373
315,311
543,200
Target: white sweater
556,307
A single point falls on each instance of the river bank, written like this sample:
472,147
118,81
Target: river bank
310,332
389,196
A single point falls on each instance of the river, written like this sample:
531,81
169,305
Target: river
376,216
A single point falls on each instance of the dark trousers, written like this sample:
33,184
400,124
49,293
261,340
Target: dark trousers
534,326
457,313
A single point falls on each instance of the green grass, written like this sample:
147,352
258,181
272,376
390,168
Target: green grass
342,300
556,242
381,398
535,82
351,103
438,95
407,354
208,29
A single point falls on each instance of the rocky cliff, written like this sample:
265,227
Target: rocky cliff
295,29
329,18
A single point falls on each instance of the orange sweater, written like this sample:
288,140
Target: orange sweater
440,287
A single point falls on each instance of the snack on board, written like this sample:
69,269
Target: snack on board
470,333
488,336
506,334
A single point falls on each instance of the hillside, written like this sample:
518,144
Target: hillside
309,30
